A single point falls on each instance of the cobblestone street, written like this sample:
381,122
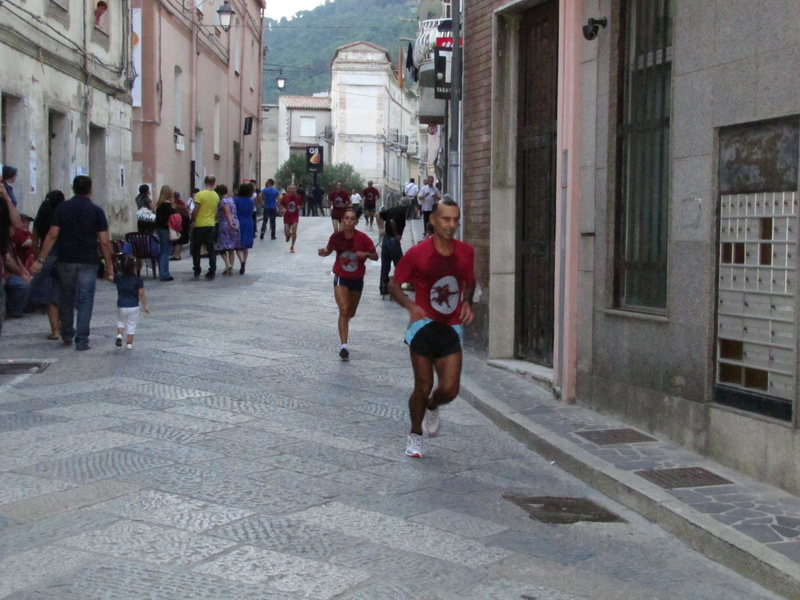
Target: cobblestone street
232,455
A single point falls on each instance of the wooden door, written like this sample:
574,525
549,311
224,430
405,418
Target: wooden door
536,183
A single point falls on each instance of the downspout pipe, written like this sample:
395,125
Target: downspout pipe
193,103
454,156
243,37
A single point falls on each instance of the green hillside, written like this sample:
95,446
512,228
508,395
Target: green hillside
304,45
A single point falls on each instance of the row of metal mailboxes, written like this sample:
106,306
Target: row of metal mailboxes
763,331
757,279
770,203
779,360
764,306
751,378
752,254
778,229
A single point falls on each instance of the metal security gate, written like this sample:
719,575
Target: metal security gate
536,183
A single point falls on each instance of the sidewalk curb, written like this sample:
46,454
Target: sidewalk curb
716,541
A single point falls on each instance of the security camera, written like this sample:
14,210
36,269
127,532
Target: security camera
592,28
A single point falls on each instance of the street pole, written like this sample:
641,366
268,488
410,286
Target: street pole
454,156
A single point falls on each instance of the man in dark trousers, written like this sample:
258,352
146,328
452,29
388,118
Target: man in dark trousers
78,226
391,224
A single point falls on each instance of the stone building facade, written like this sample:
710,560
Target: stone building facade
374,119
631,186
66,103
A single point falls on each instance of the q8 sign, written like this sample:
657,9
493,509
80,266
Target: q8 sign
314,161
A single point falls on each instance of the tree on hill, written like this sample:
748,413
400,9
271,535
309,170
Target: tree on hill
296,165
303,46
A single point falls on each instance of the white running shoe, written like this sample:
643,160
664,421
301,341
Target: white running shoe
414,446
129,346
430,423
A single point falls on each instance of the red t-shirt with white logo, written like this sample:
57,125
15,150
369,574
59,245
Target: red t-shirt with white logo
338,201
347,264
371,196
439,281
291,204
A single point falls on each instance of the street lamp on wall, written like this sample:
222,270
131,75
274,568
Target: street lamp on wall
225,14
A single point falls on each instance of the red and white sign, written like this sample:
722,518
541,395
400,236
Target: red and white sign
447,42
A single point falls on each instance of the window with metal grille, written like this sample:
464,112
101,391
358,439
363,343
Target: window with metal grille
645,76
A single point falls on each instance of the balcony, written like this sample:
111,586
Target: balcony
429,28
426,39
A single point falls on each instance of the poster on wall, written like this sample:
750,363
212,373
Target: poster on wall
136,47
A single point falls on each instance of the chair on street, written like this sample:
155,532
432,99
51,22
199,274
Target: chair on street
145,246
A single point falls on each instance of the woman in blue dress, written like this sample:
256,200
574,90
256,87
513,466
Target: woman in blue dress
245,207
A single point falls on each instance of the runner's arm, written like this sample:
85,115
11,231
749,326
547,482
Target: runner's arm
466,306
415,311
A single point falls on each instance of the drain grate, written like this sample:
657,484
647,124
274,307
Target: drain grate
606,437
564,511
18,367
683,477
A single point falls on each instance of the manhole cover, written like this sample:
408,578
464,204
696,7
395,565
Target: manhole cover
18,367
564,511
683,477
606,437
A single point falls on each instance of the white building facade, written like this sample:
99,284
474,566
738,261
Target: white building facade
374,118
66,102
303,121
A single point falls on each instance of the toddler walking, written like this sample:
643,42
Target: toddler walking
130,291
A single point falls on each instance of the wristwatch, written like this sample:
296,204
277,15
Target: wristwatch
41,260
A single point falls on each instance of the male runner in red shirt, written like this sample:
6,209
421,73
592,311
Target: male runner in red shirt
352,248
338,200
371,196
290,205
442,271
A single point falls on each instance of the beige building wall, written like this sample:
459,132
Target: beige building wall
199,85
65,114
269,142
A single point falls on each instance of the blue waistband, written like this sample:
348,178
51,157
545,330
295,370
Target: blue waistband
414,327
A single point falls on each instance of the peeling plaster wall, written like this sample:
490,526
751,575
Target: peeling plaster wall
38,90
60,67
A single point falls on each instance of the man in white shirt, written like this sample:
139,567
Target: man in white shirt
428,196
410,192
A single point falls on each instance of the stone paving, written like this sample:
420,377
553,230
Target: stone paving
232,455
762,512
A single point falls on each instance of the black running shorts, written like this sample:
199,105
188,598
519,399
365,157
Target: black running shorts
436,340
354,285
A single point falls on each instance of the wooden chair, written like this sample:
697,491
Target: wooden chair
143,248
